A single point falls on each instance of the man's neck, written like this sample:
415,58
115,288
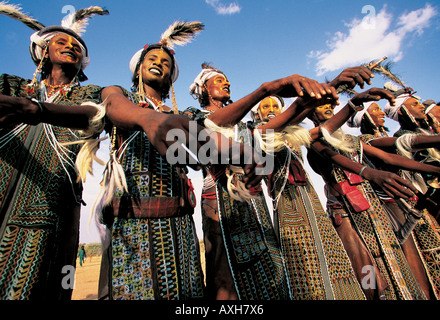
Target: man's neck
152,92
214,105
58,76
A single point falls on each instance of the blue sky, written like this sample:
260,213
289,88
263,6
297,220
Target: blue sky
252,41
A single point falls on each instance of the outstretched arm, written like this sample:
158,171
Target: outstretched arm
419,142
373,94
302,106
291,86
125,114
391,183
398,161
15,110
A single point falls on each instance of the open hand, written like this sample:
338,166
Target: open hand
391,183
297,85
353,76
373,94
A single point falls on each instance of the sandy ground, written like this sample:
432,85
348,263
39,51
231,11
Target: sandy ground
87,277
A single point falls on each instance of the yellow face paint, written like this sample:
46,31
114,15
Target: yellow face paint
218,88
269,108
69,44
220,80
62,41
324,112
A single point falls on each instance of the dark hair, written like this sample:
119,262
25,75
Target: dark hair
165,94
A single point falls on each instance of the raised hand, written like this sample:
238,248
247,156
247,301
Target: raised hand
353,76
297,85
373,94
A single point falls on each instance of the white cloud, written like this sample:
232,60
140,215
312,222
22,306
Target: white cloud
370,39
224,9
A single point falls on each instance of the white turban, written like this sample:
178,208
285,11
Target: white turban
196,88
136,57
40,39
355,120
392,111
430,108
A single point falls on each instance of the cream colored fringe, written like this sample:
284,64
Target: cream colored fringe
236,187
293,136
404,145
337,140
228,132
87,153
113,179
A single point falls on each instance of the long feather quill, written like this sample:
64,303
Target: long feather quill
78,20
180,33
14,12
385,71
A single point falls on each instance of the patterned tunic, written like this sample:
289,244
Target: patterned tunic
249,240
151,257
374,228
425,237
317,265
39,201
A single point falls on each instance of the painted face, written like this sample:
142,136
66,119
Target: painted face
268,108
324,112
376,114
156,67
64,49
415,108
219,88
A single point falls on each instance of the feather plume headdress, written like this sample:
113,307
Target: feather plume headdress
15,12
74,25
78,21
179,33
386,73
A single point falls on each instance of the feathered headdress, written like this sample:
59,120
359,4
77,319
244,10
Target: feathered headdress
74,25
179,33
14,11
77,21
385,72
